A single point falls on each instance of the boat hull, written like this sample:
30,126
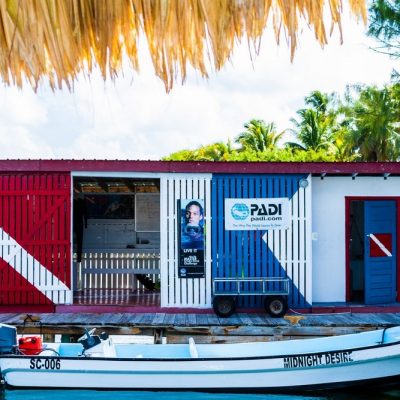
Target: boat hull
374,365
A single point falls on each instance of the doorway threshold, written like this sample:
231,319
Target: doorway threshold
356,308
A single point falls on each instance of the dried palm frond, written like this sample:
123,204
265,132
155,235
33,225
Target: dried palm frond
58,39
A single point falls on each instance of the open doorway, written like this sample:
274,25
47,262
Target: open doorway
357,251
372,250
116,241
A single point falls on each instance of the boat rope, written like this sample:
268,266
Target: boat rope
49,349
383,336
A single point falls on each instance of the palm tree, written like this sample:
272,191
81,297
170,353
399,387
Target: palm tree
373,121
384,25
315,125
259,136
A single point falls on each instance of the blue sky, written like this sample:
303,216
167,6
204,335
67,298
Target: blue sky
133,118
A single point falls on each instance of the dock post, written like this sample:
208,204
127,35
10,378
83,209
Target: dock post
158,335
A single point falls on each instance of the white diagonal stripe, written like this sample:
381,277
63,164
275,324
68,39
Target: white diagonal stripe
380,245
293,256
286,256
32,270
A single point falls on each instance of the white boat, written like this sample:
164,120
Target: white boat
359,359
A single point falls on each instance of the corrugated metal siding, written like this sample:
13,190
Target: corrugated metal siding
35,248
287,253
176,292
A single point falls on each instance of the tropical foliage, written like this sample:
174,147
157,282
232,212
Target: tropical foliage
259,136
314,125
362,126
372,122
384,25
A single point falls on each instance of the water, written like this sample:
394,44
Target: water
132,395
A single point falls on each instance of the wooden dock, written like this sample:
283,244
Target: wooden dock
205,328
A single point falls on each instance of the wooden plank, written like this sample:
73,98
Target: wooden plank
142,271
11,319
164,239
78,330
214,339
302,242
202,320
172,240
213,319
147,319
308,241
15,280
232,320
229,247
248,322
180,286
180,320
188,284
245,319
295,246
191,319
158,319
289,248
49,202
21,296
200,285
169,319
205,284
131,318
256,320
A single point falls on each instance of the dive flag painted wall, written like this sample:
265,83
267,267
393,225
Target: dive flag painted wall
35,239
264,253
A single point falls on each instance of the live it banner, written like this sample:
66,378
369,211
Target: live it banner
191,238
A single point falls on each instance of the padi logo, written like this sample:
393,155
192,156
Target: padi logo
257,214
240,211
266,212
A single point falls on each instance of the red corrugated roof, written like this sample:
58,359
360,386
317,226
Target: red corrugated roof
337,168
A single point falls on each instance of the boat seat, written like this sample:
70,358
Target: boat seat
192,348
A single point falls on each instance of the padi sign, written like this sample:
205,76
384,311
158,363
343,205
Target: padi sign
256,214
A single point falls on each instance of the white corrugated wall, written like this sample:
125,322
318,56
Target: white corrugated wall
188,292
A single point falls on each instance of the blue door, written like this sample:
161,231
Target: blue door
380,251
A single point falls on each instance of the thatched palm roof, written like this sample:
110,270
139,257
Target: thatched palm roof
58,39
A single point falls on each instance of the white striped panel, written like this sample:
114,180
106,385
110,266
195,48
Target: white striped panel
295,250
296,241
302,242
164,261
308,241
175,292
34,272
181,192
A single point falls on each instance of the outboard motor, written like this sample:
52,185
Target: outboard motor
96,346
8,339
88,340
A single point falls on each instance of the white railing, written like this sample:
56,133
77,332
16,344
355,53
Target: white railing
117,269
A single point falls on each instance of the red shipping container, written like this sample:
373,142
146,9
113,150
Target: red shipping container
30,345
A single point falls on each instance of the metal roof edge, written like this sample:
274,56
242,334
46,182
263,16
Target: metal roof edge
315,168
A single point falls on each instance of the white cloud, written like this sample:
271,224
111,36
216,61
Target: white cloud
21,106
18,142
134,118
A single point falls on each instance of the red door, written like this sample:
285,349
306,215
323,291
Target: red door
35,239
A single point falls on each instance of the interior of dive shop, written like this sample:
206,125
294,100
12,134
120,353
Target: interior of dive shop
116,241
